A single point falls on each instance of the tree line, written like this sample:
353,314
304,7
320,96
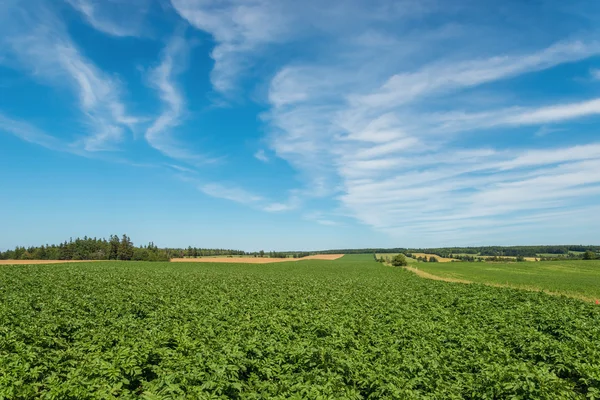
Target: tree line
510,251
115,248
103,249
492,251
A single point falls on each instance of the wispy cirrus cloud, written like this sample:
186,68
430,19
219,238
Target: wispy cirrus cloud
515,116
35,40
231,193
31,134
391,148
113,17
162,78
238,28
261,156
246,32
444,77
242,196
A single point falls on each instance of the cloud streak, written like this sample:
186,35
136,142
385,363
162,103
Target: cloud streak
31,134
113,17
394,156
162,78
38,43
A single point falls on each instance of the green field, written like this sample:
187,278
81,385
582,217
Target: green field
345,329
575,278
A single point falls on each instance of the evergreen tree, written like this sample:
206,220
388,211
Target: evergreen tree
113,252
125,250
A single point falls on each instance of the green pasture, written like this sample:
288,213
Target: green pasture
575,278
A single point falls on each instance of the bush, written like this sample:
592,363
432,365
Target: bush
399,261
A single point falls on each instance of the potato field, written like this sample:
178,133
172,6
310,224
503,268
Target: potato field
316,329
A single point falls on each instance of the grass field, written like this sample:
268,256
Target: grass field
573,278
345,329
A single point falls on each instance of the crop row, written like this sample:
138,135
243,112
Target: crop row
347,329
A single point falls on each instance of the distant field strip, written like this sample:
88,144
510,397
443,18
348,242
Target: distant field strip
216,259
410,260
578,279
256,260
440,259
31,262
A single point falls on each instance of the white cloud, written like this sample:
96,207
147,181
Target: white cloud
113,17
231,193
244,31
162,78
394,161
277,207
514,116
545,130
441,76
320,218
31,134
240,195
38,42
595,73
260,155
326,222
238,28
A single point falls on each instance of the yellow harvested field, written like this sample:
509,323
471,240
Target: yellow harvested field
30,262
440,259
256,260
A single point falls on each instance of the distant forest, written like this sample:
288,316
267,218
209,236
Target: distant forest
116,248
124,249
111,249
560,251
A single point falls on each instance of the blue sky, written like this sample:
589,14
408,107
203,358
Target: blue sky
300,125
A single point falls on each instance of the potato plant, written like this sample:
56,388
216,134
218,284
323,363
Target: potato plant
345,329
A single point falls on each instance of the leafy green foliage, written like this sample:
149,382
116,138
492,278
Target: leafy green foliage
346,329
399,260
112,249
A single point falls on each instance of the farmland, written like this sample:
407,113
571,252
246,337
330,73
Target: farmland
256,260
344,329
570,277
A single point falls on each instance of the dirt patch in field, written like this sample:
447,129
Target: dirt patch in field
322,257
256,260
427,275
30,262
440,259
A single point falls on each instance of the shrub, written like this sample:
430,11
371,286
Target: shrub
399,260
